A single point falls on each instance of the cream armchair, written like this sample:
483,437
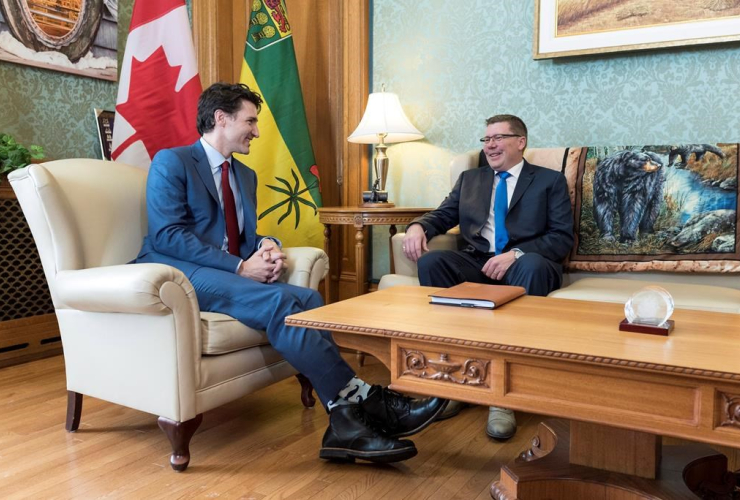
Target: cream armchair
133,333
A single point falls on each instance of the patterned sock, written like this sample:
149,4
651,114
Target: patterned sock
355,391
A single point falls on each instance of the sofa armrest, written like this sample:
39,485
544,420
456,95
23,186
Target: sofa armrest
404,267
130,288
307,266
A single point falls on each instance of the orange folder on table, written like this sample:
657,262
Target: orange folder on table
477,295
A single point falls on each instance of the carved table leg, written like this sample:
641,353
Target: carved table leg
306,391
74,411
545,471
361,271
327,248
179,434
393,232
360,266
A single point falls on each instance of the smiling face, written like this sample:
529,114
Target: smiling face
503,154
236,131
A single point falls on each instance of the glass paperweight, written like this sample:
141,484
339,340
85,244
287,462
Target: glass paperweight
651,305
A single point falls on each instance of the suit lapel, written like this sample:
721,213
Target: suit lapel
525,179
484,194
204,169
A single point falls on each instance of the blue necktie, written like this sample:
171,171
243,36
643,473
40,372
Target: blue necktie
500,209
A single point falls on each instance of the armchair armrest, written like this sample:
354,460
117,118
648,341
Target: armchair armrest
130,288
404,267
132,325
307,266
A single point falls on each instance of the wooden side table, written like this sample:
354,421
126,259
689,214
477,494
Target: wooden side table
359,217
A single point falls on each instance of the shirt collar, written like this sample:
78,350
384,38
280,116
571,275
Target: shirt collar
516,170
215,159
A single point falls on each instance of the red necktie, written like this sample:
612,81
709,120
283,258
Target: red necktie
232,223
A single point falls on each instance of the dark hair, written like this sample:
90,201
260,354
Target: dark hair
515,123
228,98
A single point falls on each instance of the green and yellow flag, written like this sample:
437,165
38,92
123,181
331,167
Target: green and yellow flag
288,193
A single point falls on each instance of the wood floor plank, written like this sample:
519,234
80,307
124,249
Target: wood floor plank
263,446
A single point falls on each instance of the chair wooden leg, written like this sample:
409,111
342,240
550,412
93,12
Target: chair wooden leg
74,411
306,391
179,434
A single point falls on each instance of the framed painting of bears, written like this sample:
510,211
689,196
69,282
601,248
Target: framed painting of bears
667,208
577,27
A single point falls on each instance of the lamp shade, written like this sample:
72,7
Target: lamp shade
384,115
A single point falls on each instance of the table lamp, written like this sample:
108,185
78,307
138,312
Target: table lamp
384,122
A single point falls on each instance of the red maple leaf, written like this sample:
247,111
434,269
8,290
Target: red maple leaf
161,117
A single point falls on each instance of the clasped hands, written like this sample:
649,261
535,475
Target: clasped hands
266,265
415,244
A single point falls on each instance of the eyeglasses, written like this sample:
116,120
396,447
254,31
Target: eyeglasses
498,138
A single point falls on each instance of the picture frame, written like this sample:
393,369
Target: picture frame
79,37
575,27
104,120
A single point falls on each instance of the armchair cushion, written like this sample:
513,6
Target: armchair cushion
221,334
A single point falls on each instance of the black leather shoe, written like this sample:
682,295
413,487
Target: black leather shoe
397,415
349,437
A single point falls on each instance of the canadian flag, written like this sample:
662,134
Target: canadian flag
159,85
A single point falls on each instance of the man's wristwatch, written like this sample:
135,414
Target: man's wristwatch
517,253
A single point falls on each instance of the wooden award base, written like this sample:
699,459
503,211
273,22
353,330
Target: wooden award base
376,204
550,469
626,326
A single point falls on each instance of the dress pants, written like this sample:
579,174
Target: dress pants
264,307
446,268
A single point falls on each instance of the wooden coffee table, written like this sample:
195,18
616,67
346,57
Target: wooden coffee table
621,391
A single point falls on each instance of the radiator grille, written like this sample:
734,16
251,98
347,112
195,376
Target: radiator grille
23,289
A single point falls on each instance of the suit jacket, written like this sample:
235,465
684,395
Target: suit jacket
186,223
539,220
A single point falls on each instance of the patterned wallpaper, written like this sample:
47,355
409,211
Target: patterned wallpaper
55,110
454,64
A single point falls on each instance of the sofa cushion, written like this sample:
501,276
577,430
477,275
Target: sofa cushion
685,296
221,334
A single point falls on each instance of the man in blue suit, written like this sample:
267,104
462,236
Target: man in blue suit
201,205
517,223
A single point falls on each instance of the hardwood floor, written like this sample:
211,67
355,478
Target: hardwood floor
262,446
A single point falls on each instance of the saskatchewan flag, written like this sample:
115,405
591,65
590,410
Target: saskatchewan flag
288,179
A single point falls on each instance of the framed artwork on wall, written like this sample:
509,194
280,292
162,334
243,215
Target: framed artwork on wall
578,27
104,120
73,36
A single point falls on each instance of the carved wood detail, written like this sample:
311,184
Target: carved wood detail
542,353
472,372
533,452
367,220
731,414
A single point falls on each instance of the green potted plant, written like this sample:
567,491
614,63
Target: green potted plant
14,156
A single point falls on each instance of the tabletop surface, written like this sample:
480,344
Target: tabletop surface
353,210
701,340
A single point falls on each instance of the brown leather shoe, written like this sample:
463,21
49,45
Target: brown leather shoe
349,437
397,415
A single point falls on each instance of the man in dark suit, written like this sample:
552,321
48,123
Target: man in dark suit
517,223
201,207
